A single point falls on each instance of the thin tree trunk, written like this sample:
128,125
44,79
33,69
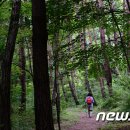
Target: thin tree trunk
51,76
95,36
90,38
128,4
115,38
122,40
127,10
106,66
54,95
87,84
72,89
56,89
83,39
63,89
56,80
71,82
29,53
42,101
56,86
5,123
22,63
101,81
50,60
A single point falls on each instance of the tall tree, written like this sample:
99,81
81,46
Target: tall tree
43,108
5,123
73,90
101,81
106,64
83,40
120,34
71,77
63,89
22,63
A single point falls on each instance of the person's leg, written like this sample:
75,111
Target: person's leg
89,111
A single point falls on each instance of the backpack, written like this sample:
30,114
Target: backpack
89,101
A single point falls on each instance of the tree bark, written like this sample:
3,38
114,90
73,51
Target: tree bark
106,66
22,63
71,82
56,80
5,123
128,4
72,89
42,101
63,89
29,53
57,90
101,81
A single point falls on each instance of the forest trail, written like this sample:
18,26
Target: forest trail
87,123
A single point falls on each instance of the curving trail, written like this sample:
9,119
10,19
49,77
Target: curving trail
87,123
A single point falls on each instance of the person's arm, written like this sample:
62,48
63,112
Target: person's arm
93,99
86,99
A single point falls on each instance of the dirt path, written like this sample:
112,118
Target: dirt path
87,123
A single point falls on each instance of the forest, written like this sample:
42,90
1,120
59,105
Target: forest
53,53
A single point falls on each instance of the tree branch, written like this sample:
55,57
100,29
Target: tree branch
24,69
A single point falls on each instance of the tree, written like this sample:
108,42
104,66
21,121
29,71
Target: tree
22,63
42,101
6,67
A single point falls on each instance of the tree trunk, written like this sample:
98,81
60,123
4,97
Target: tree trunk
115,38
72,89
120,34
90,37
83,43
42,101
63,89
128,4
106,66
71,82
5,123
73,86
56,81
50,60
101,81
29,53
127,10
56,86
22,63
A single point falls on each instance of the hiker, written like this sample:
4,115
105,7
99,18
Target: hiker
89,101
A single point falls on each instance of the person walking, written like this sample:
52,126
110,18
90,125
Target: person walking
89,100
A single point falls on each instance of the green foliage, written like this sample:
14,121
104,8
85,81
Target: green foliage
116,126
69,117
120,101
26,9
69,18
22,120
